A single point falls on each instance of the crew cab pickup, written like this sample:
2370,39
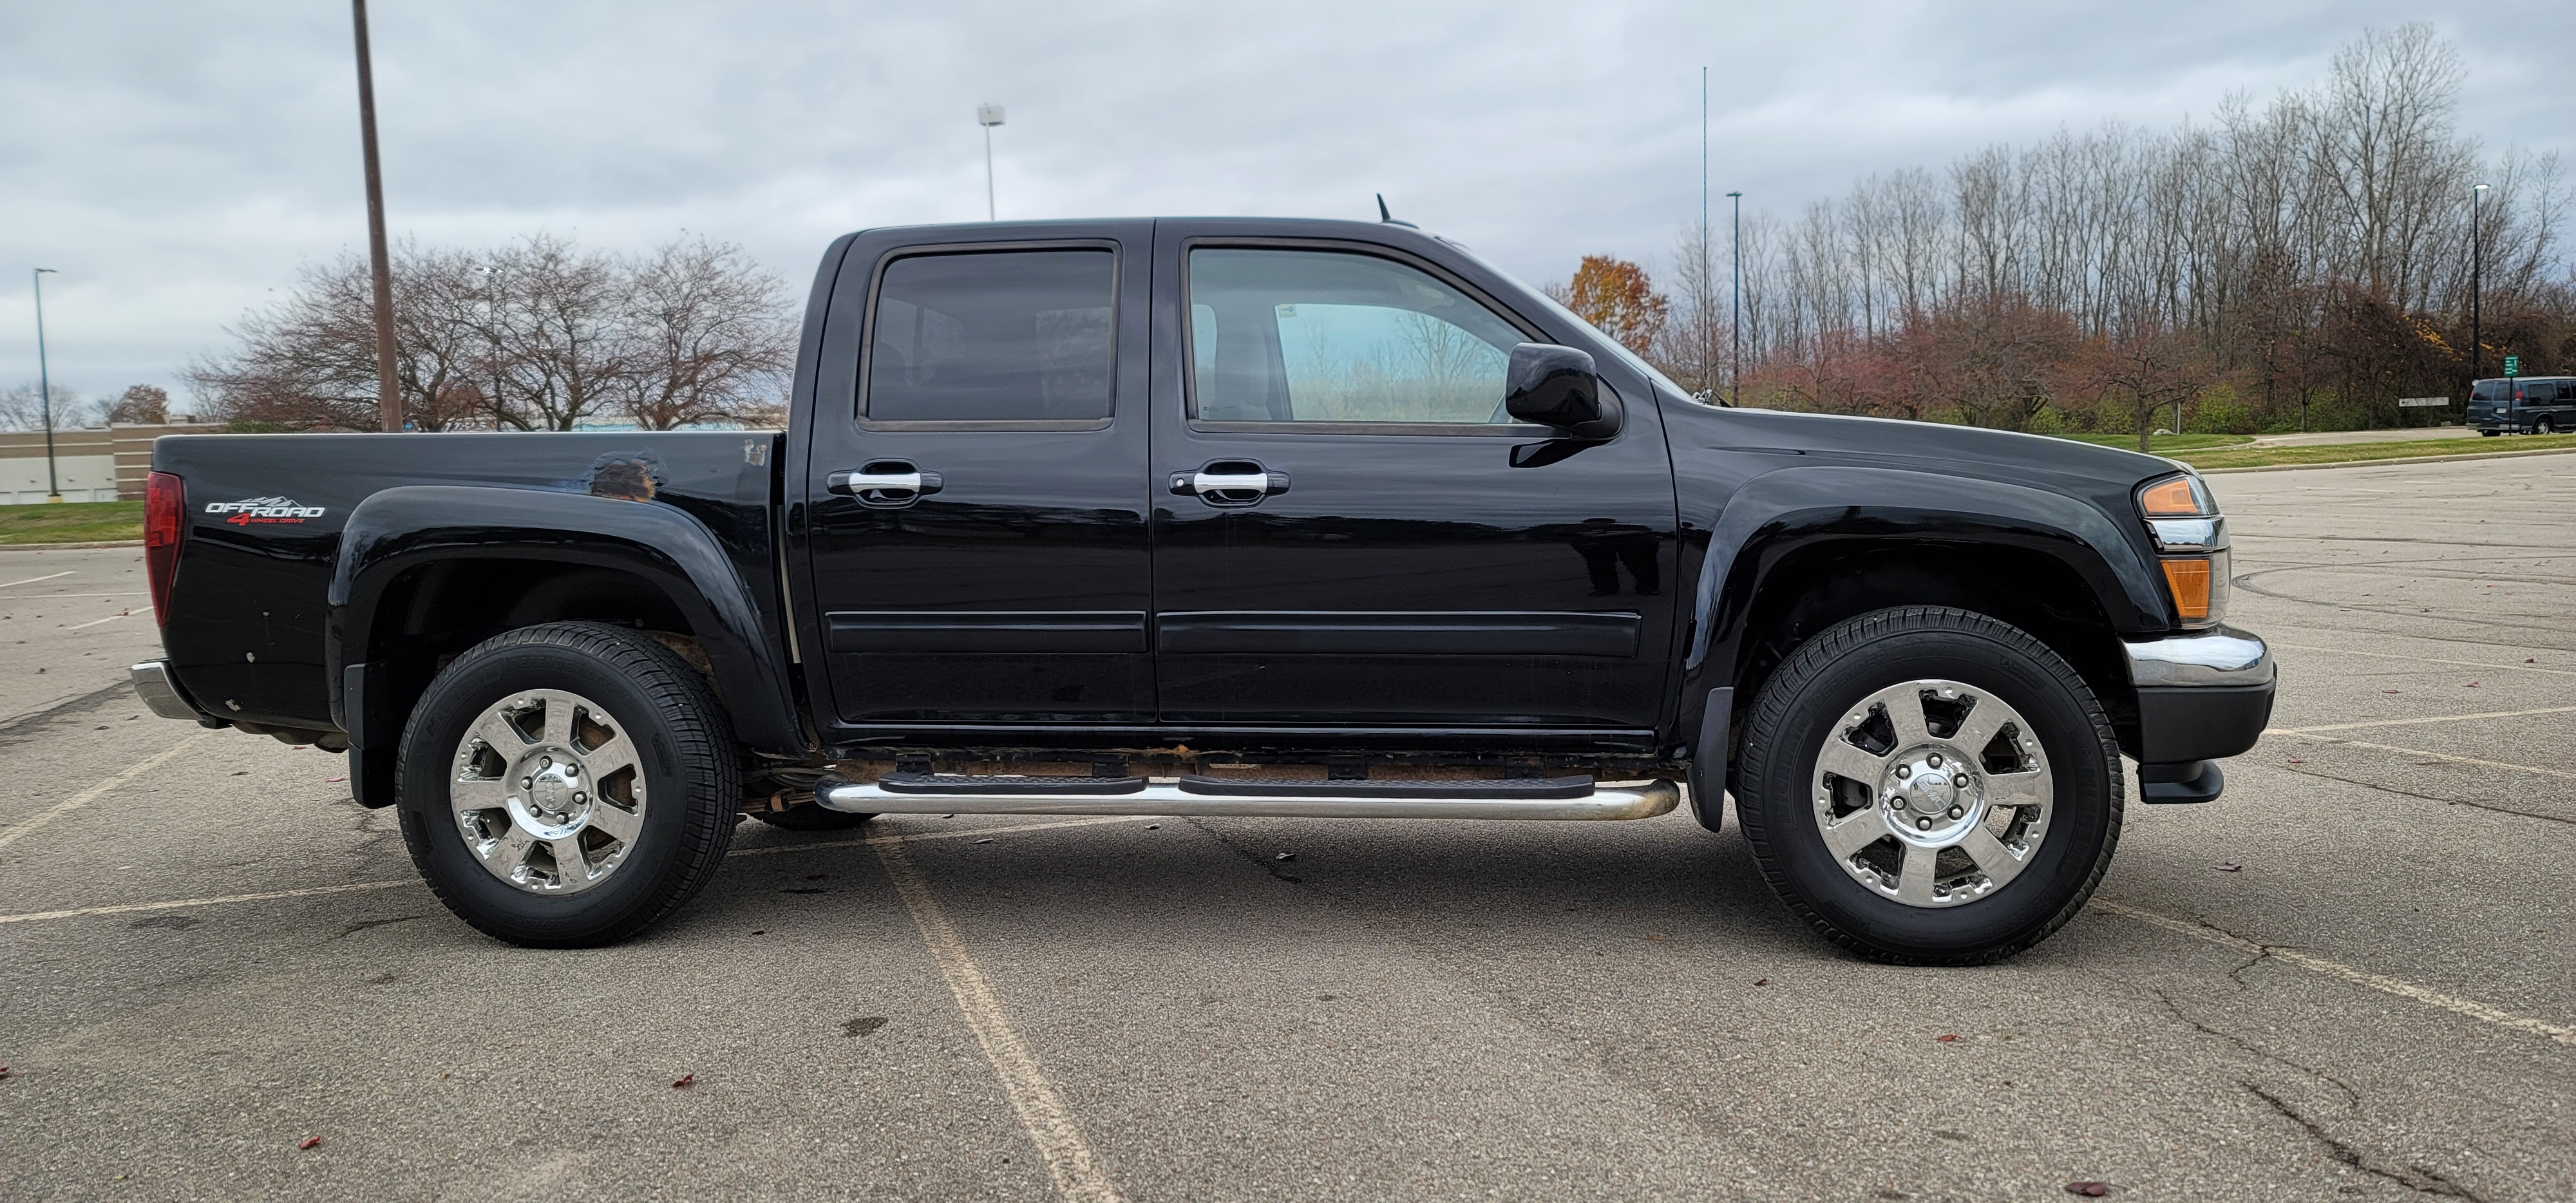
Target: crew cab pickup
1218,517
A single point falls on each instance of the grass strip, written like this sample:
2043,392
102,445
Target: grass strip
2356,453
2163,444
70,522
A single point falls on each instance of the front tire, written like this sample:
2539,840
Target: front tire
1930,786
567,785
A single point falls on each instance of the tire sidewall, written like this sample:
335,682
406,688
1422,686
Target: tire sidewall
2082,815
636,890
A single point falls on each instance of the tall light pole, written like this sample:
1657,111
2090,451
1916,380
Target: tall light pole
389,413
45,382
2477,268
1707,329
988,116
1735,373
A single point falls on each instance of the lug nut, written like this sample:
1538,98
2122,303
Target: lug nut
1955,811
1923,824
1934,760
527,783
1960,780
574,770
545,762
579,797
1904,771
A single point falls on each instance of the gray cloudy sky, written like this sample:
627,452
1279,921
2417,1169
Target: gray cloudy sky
178,161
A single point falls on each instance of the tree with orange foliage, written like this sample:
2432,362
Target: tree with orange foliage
1618,298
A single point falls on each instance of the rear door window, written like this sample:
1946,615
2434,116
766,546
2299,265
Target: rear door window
997,337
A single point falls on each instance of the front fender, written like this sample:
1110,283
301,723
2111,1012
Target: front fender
398,529
1779,513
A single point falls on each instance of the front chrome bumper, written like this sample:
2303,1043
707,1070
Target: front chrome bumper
2201,697
2220,657
152,683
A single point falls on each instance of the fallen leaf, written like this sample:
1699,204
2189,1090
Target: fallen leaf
241,772
2388,691
329,780
2090,1190
4,1071
761,932
2296,760
686,1081
2473,684
2228,866
1762,981
1285,856
1153,827
1948,1038
309,1142
2526,659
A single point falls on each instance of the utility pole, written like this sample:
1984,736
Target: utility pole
988,116
389,410
1735,373
45,383
2477,266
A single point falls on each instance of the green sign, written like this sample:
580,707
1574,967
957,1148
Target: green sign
2513,365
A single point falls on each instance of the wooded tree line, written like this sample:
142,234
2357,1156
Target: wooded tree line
539,335
2305,262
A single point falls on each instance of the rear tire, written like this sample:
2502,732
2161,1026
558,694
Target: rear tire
2005,860
567,785
2544,426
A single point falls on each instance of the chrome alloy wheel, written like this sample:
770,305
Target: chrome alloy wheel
1933,793
548,791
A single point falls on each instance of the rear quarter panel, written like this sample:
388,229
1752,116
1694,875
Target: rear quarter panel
248,605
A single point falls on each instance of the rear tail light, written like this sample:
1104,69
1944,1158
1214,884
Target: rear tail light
165,524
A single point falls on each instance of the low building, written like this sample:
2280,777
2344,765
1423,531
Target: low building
98,463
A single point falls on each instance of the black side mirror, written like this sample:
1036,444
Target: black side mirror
1558,386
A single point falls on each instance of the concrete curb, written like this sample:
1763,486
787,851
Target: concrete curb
2393,461
68,546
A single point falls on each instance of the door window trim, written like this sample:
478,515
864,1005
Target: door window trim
868,333
1189,347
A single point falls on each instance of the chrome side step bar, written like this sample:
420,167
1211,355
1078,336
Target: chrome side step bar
1124,797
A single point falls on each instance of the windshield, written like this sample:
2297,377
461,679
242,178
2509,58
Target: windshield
1626,356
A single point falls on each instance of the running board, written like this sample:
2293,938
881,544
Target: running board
1555,798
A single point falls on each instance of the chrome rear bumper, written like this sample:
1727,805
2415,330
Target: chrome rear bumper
160,693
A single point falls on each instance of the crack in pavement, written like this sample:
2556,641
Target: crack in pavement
2413,1177
2352,1096
2468,1007
1268,865
2502,810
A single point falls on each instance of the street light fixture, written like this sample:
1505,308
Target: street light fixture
988,116
45,382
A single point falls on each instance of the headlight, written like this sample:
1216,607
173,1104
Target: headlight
2191,546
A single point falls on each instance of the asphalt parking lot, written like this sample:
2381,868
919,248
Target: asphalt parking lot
2351,978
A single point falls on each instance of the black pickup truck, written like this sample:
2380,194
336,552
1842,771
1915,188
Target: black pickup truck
1218,517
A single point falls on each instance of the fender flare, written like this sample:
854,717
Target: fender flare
1790,509
402,528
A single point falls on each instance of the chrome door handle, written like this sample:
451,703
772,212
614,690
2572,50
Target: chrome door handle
1232,487
884,488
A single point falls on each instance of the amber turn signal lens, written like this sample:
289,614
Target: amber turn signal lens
2170,499
2188,580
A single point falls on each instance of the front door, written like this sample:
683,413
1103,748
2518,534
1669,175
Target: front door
1341,534
976,484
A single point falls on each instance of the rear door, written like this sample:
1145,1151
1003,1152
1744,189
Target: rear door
1397,551
976,481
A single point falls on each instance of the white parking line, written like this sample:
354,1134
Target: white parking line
228,899
33,579
2493,764
2430,718
2345,651
11,835
2337,969
182,903
1042,1111
95,622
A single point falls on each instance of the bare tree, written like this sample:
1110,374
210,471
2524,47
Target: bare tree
709,338
141,405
